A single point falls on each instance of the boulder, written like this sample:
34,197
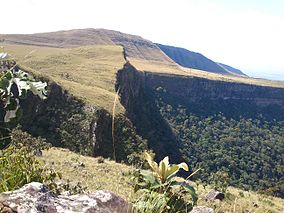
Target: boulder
214,195
202,209
35,197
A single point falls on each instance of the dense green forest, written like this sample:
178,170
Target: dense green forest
249,150
215,126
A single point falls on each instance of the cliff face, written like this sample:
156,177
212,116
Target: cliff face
189,90
66,121
141,109
193,89
144,94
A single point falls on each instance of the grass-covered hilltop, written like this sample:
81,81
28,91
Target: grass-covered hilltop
112,96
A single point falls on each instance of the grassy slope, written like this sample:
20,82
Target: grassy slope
135,46
170,69
113,176
87,72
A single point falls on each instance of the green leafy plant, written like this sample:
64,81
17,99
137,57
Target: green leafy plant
14,84
162,190
18,164
18,167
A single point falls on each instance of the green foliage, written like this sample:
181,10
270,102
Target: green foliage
220,181
19,167
162,190
14,84
249,150
129,146
20,139
74,133
18,164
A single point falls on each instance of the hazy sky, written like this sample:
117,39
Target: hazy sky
246,34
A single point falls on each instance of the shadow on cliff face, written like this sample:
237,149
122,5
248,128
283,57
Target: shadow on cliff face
203,97
66,121
62,119
144,95
142,110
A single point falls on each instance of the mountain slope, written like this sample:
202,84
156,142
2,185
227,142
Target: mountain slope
142,53
88,72
135,46
194,60
232,69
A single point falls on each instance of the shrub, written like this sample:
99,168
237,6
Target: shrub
162,190
18,167
220,180
33,145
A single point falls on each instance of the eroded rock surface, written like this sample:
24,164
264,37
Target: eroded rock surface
202,209
214,195
35,197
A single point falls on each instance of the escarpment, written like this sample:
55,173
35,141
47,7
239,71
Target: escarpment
205,93
67,121
150,97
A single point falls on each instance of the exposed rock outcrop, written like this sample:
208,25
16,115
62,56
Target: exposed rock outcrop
202,209
35,197
214,195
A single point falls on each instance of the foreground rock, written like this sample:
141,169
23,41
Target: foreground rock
214,195
35,197
202,209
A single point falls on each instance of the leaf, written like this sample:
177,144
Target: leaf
191,191
162,170
154,166
184,166
166,161
148,157
4,55
148,177
172,171
10,114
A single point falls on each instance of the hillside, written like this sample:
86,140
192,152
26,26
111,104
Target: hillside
232,69
95,174
135,46
143,54
87,72
197,61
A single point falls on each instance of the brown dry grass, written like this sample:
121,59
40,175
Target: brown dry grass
172,69
115,177
87,72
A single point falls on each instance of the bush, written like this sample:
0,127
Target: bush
18,167
162,190
33,145
220,180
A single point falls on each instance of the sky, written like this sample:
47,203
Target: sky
245,34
